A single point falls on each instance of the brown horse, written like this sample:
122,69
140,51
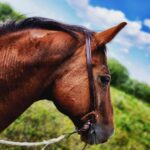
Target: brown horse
44,59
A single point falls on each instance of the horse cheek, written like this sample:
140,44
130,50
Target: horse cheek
71,97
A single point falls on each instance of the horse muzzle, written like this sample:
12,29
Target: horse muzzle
95,133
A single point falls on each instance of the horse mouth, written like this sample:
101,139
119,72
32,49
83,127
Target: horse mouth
93,134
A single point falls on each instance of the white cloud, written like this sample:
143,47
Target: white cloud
147,22
96,15
103,18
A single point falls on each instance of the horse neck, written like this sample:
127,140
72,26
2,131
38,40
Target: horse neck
28,61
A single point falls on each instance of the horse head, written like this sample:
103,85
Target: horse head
71,90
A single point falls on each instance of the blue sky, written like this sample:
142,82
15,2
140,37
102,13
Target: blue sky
131,47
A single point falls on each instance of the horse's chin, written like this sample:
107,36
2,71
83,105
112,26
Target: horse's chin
95,134
92,139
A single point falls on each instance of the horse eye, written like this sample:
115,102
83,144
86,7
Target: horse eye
104,79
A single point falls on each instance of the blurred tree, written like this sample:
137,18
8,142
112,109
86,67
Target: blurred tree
120,79
7,13
118,72
136,88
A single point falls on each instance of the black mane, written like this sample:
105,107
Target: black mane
41,23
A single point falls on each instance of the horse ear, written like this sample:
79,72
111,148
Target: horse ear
107,35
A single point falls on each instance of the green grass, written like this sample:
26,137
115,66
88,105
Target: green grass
42,121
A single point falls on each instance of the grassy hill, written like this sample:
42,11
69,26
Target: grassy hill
42,121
